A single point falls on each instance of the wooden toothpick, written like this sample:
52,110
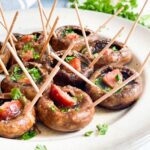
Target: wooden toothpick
22,67
131,78
83,31
9,32
49,37
4,67
106,47
135,24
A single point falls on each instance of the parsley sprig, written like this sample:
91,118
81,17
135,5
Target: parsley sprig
28,135
40,147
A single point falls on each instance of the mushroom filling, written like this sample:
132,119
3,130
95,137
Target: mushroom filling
72,34
110,78
11,108
18,75
64,100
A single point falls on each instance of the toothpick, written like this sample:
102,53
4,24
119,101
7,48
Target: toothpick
22,67
49,37
131,78
9,32
51,13
135,24
108,20
83,31
3,67
106,47
5,23
44,13
50,78
72,69
42,20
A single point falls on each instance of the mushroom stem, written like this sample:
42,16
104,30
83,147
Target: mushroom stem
9,32
135,24
131,78
106,47
83,31
4,67
22,67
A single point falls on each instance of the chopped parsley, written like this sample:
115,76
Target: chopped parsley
40,147
99,82
16,93
16,75
118,78
28,135
67,31
88,133
114,48
53,108
27,47
35,74
36,55
35,37
102,129
95,55
64,109
69,58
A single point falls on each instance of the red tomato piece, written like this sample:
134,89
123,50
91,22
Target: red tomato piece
61,97
72,36
76,64
27,56
107,52
113,78
27,38
10,110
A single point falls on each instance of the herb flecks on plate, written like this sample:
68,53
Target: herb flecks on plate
28,135
40,147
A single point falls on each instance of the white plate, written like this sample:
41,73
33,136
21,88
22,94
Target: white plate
124,126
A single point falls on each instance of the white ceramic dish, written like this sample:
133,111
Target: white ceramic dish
124,126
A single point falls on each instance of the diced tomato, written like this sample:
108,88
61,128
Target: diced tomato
24,80
113,78
107,52
75,63
27,56
27,38
10,110
61,97
72,36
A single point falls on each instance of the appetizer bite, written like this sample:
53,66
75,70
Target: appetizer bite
15,119
5,56
65,109
109,77
66,34
78,62
115,54
17,78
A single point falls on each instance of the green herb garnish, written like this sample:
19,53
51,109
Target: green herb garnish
35,37
16,75
65,109
67,31
36,55
118,78
28,135
35,74
102,129
114,48
27,47
16,93
88,133
99,82
53,108
40,147
69,58
95,55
